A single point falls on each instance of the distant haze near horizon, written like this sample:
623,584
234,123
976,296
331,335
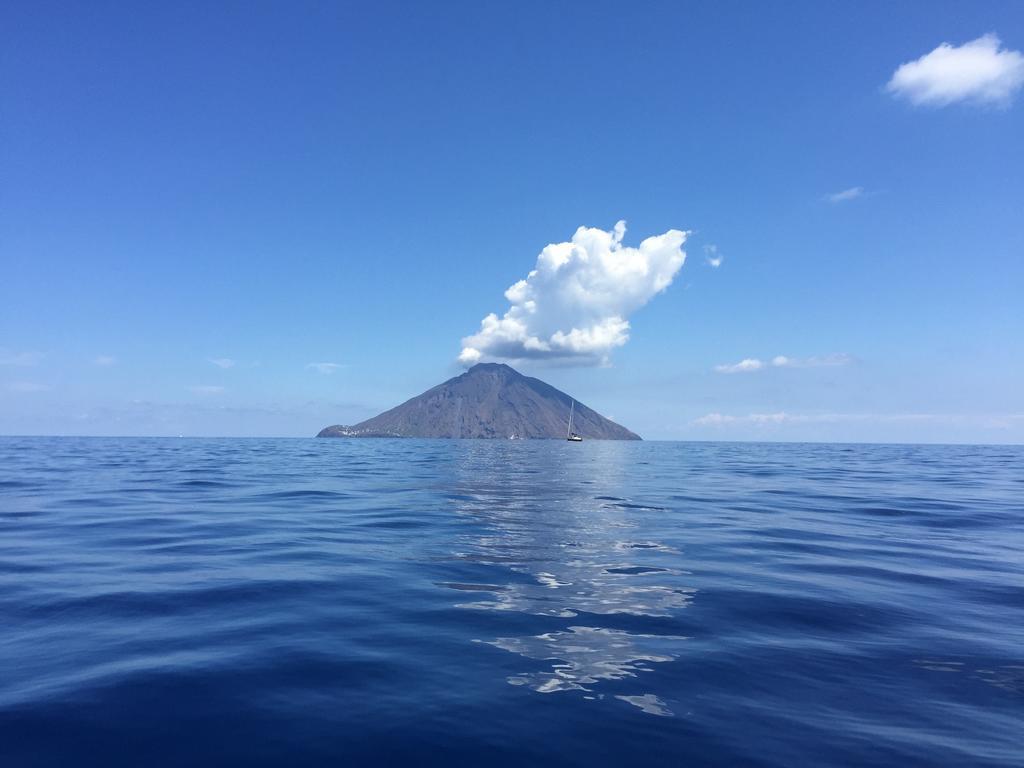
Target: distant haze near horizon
779,224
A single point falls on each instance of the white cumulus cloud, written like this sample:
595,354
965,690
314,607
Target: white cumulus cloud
575,304
981,71
223,362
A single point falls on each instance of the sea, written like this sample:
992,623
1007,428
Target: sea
304,602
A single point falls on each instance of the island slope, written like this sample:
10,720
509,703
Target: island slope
490,400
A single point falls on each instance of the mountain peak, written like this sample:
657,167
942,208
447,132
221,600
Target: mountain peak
499,368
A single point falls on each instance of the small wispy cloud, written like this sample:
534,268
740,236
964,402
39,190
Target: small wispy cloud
721,419
751,364
743,366
824,361
28,386
222,362
712,257
324,368
20,359
979,72
717,419
847,194
104,360
206,389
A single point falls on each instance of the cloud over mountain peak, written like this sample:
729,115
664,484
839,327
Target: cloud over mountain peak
575,304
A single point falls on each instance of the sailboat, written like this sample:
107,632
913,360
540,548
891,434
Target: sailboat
571,436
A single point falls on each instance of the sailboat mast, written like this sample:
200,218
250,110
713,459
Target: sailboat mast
572,407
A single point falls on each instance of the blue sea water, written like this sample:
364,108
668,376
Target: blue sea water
346,602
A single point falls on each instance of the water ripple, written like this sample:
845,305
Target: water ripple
268,602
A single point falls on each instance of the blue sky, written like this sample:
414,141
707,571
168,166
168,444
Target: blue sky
276,185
